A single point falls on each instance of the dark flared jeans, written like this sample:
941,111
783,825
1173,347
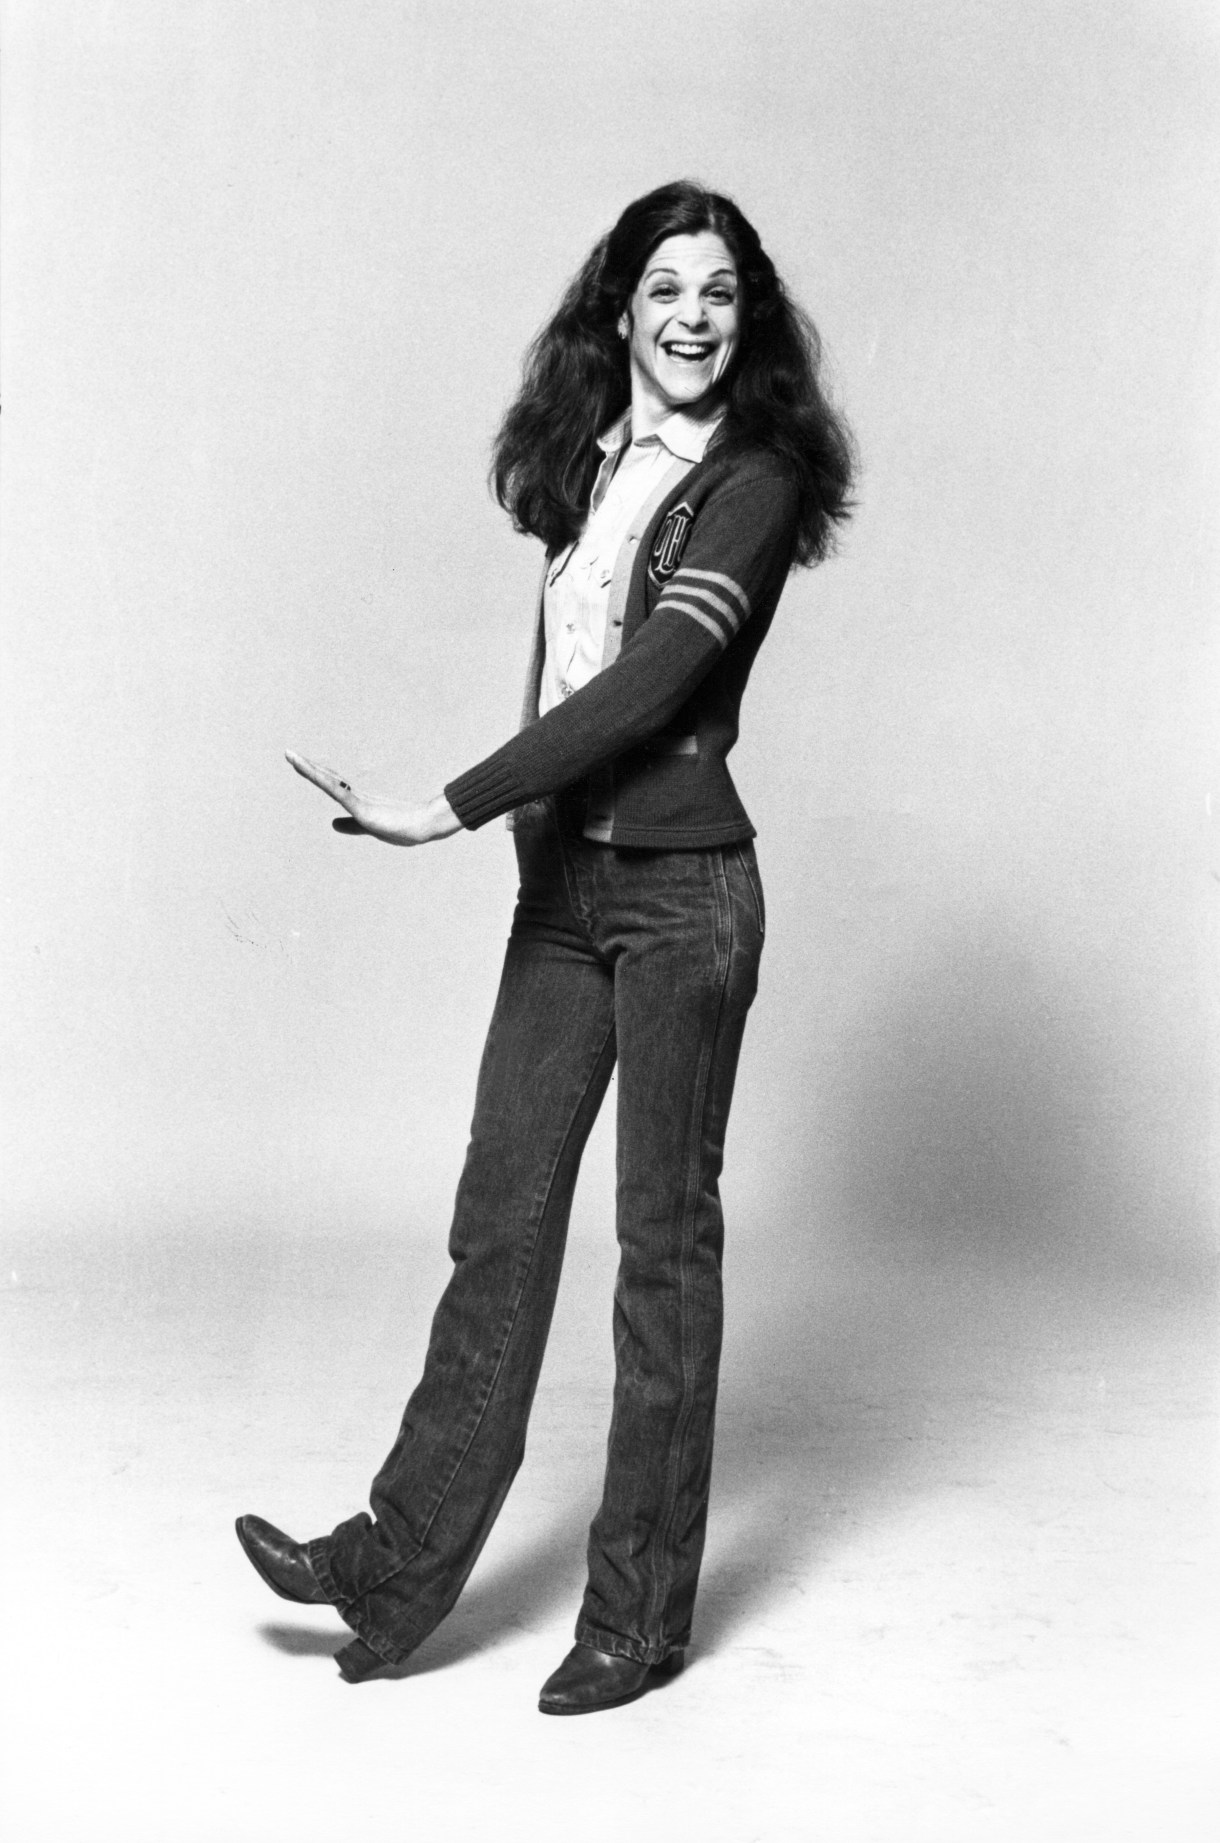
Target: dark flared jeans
649,958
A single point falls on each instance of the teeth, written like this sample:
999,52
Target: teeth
691,351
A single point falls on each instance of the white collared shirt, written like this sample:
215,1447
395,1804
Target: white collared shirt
578,582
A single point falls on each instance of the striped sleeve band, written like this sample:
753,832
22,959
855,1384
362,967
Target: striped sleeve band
709,597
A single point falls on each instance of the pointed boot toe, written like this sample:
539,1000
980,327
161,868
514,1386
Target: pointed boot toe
589,1680
282,1563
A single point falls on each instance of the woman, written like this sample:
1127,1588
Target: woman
674,452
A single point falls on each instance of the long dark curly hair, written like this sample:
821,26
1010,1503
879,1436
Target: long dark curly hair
577,379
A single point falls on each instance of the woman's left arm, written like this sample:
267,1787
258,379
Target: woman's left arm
736,560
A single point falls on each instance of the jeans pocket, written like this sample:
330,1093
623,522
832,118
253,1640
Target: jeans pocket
748,860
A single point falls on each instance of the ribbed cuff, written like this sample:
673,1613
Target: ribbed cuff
485,792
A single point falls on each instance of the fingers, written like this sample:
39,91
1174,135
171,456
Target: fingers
322,777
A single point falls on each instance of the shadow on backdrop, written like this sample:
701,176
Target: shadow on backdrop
964,1224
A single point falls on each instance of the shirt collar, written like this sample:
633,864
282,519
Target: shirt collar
615,437
684,436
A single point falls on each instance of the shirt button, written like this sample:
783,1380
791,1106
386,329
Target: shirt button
633,539
571,626
617,621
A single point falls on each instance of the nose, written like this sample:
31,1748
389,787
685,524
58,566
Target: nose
693,312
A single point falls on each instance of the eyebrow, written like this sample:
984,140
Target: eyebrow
664,268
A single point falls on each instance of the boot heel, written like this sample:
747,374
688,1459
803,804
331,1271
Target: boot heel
356,1662
671,1665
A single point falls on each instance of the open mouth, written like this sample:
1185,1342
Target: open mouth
689,351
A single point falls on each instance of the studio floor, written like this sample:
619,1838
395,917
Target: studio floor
959,1587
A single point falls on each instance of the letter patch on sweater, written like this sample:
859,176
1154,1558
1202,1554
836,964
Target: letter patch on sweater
670,542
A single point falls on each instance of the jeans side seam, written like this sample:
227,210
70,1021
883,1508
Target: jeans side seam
699,1115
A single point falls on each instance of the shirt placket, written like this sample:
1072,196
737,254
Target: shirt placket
591,581
623,482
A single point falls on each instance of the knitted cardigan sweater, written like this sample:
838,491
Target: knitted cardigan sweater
645,742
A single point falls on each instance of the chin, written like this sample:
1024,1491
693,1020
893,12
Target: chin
685,391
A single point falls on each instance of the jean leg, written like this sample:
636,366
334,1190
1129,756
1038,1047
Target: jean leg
684,984
548,1059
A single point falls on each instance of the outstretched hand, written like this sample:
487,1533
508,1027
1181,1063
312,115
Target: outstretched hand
395,822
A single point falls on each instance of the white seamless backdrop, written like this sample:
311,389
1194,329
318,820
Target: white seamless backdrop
270,271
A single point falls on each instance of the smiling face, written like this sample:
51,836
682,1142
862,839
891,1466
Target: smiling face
684,326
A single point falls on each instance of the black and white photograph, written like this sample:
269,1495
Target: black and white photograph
611,1046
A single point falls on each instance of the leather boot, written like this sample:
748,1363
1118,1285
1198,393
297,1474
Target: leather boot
589,1680
283,1563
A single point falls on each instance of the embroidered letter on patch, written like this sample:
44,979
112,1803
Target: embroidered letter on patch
670,543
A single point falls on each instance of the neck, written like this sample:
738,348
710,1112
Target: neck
649,411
